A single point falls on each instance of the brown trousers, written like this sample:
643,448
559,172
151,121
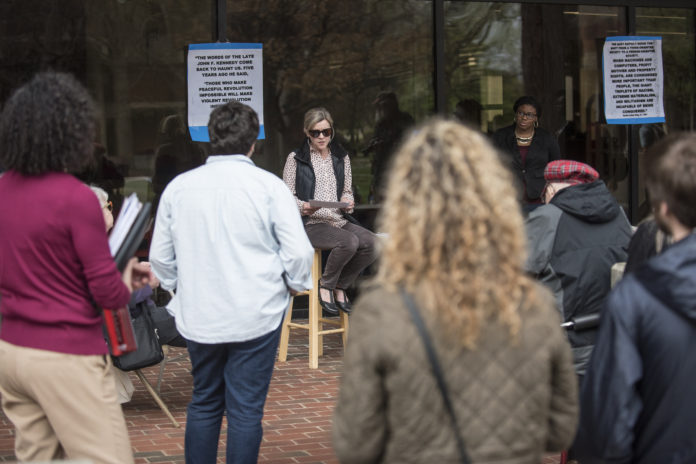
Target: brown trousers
62,406
352,250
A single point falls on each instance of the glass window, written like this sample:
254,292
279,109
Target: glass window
131,56
368,62
676,27
497,52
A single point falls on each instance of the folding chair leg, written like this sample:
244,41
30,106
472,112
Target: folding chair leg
156,397
165,350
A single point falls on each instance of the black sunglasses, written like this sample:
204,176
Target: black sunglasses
325,132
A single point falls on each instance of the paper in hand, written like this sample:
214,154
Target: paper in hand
327,204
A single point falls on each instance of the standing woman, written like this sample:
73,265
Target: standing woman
56,382
454,243
530,149
320,170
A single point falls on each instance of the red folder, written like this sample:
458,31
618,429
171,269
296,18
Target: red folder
119,331
117,322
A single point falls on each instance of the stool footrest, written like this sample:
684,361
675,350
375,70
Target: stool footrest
295,325
330,321
331,331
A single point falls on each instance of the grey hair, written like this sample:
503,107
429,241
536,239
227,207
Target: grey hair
101,194
316,115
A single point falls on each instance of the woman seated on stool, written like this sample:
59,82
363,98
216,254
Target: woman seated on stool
320,170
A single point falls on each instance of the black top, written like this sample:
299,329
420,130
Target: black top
543,149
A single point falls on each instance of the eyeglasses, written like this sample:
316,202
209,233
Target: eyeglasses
109,206
325,132
522,114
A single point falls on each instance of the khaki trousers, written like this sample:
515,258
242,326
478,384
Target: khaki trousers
62,406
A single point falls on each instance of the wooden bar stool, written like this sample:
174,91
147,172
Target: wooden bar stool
316,322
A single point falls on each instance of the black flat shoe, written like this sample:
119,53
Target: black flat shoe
345,305
329,306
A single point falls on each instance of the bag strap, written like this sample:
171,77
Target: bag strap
437,371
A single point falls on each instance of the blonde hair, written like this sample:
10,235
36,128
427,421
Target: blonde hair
455,232
316,115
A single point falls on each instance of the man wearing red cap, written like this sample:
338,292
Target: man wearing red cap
574,239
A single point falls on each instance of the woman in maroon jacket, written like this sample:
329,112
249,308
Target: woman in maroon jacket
56,384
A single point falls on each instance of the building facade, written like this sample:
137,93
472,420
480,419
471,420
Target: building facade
358,59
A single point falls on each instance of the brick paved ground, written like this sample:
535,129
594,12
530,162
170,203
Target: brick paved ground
297,420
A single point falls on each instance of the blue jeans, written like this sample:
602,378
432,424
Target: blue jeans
232,378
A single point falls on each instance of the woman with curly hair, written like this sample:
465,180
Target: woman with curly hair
56,382
456,244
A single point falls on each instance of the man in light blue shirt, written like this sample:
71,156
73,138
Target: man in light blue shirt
229,238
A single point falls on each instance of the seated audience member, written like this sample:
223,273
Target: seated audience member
574,239
141,298
140,301
320,170
455,245
124,385
638,398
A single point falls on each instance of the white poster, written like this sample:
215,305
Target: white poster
218,73
633,80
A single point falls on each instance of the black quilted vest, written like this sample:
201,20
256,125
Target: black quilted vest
305,180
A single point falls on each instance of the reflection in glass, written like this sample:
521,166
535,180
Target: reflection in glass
676,27
497,52
130,54
342,56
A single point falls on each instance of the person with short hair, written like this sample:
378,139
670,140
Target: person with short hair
391,124
56,384
638,397
229,239
320,170
454,244
527,148
574,240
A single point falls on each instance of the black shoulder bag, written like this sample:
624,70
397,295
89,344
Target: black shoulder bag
149,351
437,371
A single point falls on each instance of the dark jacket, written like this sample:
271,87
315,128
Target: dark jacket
638,399
574,240
647,241
543,149
514,400
305,181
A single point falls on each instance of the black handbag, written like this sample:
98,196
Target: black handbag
437,371
149,351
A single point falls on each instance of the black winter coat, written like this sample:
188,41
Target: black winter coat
305,180
638,399
574,241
